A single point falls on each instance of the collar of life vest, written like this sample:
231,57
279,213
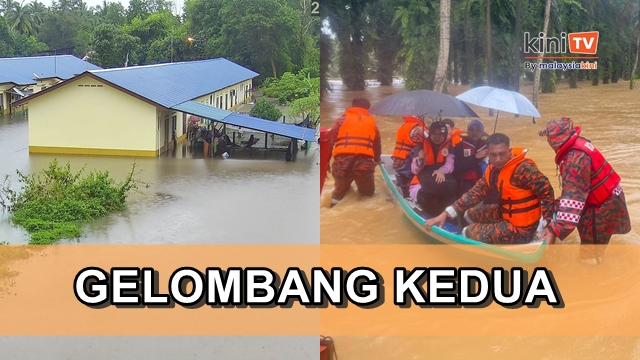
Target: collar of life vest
357,111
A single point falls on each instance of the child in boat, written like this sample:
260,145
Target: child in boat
526,197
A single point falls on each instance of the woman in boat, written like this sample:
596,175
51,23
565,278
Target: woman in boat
434,168
470,156
526,197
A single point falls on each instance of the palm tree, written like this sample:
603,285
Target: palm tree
443,57
20,19
536,80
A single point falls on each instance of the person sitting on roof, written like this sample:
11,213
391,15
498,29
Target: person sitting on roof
470,156
526,198
433,168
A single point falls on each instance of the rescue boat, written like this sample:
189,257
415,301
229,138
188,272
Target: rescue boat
450,233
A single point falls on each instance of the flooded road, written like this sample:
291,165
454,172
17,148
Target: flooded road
255,197
609,116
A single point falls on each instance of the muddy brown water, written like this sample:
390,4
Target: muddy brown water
609,116
252,198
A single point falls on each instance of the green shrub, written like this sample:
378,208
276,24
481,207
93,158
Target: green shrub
55,203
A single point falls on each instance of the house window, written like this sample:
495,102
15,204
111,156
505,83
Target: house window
226,101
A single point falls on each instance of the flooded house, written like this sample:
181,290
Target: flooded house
141,110
24,76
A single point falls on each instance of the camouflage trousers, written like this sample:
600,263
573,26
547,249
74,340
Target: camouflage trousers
349,168
488,226
593,241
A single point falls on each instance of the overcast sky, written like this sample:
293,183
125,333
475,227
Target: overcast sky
125,3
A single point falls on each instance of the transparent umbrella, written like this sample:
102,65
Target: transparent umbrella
501,100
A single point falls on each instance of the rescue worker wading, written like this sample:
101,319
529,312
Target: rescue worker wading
356,152
411,133
592,199
525,193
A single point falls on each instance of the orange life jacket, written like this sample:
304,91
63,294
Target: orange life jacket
430,159
439,158
455,136
357,134
603,178
404,144
520,207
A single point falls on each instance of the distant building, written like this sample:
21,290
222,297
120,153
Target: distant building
24,76
141,110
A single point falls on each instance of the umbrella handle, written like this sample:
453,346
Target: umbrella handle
496,124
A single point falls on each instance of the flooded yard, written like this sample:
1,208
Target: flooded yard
253,197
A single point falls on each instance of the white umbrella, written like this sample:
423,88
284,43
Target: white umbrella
501,100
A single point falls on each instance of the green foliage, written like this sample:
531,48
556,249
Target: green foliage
55,203
112,44
261,34
265,109
418,26
291,87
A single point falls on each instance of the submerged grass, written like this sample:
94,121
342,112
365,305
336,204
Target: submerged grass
55,203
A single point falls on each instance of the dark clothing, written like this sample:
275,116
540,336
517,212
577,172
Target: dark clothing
404,175
433,198
467,170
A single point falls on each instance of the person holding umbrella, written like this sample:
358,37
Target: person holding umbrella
592,199
356,152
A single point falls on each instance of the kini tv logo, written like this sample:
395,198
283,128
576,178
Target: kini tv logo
585,43
580,43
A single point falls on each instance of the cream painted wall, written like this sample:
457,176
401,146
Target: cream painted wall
89,114
43,84
225,95
5,96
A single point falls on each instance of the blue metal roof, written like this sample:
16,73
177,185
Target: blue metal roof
174,83
21,70
246,121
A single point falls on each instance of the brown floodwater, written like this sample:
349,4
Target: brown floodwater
609,116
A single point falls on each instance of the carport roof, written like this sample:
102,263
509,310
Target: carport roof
246,121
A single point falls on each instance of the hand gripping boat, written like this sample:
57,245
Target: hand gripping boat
451,233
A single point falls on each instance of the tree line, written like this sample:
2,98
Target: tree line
271,37
471,42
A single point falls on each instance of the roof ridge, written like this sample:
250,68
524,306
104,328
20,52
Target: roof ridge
156,65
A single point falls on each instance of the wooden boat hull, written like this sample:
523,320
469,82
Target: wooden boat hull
450,233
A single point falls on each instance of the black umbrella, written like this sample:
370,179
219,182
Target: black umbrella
422,103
